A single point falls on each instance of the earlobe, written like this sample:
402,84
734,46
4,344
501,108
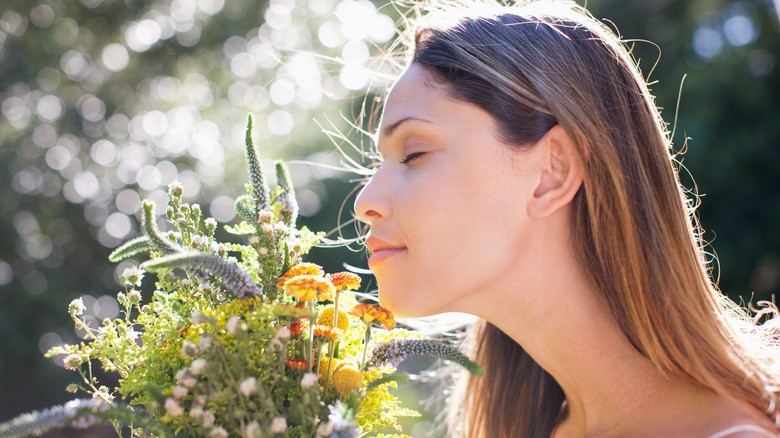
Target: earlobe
560,173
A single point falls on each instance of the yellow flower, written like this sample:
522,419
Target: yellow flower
345,281
309,287
370,313
324,369
326,318
347,378
299,269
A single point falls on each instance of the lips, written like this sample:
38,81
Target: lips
381,250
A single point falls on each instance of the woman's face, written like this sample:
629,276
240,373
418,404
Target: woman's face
447,204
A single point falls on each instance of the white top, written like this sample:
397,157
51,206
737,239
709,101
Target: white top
744,428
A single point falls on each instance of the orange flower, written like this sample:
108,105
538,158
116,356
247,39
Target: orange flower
370,313
297,328
344,281
326,331
296,364
309,287
299,269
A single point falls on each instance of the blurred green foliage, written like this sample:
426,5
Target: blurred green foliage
104,102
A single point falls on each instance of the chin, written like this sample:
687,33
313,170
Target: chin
403,305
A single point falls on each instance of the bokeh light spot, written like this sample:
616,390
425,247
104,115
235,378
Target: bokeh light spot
707,42
86,184
128,201
104,153
223,209
739,30
243,65
330,34
278,16
148,178
58,157
143,35
282,92
92,108
75,65
155,123
115,57
44,135
42,16
35,283
211,7
280,122
353,77
118,225
6,273
107,307
49,340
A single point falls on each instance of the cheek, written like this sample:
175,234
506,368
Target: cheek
460,243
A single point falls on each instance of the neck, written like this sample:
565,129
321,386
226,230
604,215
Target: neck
560,321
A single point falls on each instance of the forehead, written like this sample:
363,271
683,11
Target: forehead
414,95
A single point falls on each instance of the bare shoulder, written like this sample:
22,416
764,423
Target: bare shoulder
723,418
743,421
745,431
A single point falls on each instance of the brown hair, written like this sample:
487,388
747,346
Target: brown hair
634,230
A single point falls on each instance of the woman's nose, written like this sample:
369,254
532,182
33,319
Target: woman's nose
372,203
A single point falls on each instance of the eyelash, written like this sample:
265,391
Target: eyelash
411,157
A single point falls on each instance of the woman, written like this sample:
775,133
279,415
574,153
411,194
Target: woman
527,179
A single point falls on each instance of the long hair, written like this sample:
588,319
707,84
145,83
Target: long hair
634,229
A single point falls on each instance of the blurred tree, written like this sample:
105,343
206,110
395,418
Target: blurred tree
727,123
104,102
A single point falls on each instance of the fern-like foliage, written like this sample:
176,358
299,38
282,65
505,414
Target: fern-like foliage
259,187
246,210
237,281
131,248
289,210
395,351
80,414
159,242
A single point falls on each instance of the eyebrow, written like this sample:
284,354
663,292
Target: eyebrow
392,127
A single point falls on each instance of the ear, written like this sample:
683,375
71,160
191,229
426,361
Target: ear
560,174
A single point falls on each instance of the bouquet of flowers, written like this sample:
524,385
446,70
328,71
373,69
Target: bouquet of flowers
238,339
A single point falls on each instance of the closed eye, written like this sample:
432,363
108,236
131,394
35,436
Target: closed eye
411,157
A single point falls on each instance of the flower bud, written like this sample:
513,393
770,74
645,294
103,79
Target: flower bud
211,225
72,361
232,324
248,386
175,189
308,381
134,297
76,307
179,391
173,407
198,366
188,349
279,425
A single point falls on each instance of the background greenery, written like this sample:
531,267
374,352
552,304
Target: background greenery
104,102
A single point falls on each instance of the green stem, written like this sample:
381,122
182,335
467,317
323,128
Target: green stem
310,341
365,346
